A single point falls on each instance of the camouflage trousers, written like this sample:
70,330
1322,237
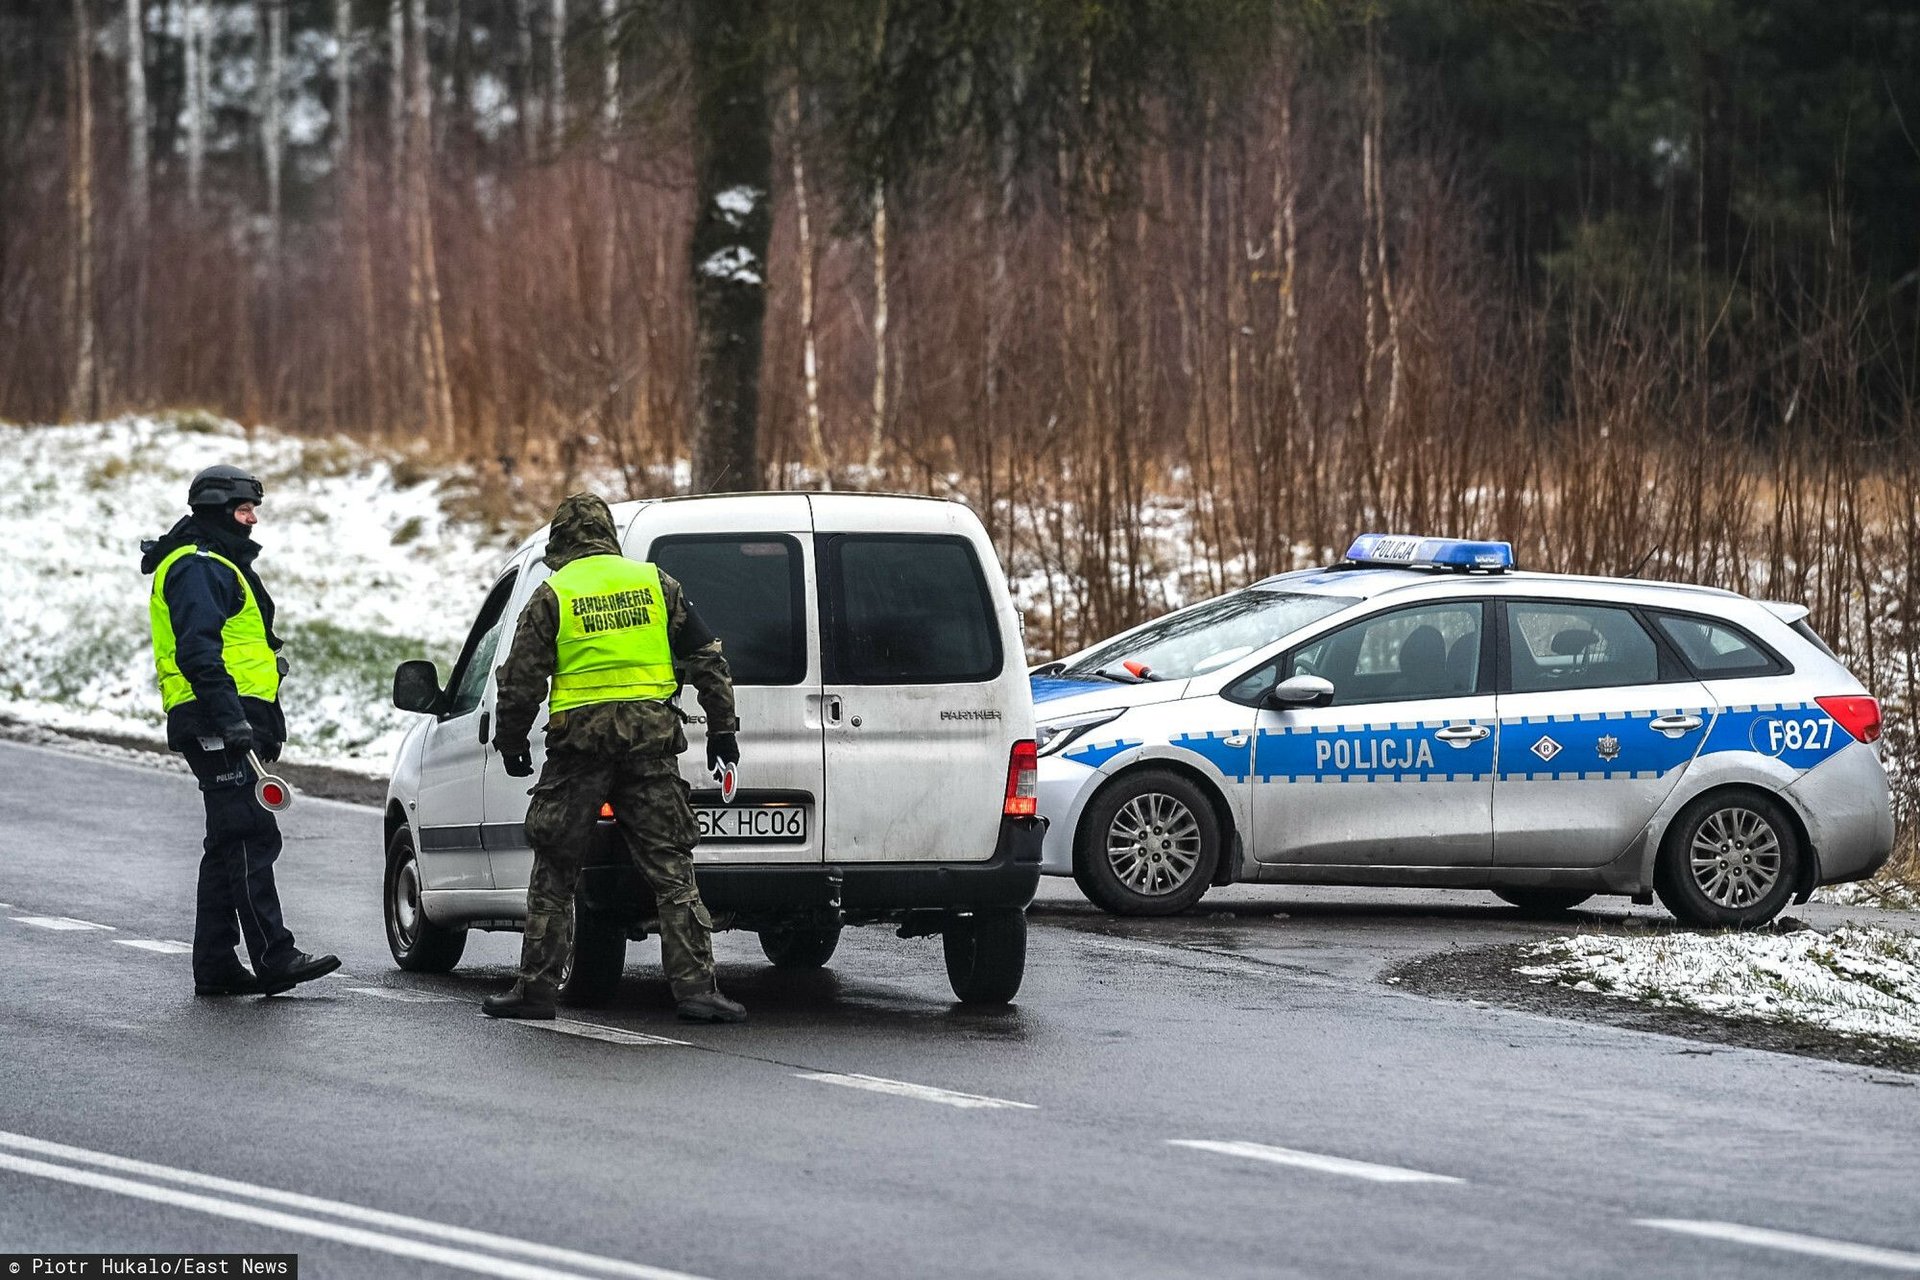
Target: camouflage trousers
656,825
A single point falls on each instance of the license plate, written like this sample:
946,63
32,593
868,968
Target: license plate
752,824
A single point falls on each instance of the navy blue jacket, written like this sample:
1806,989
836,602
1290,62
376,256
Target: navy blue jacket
200,595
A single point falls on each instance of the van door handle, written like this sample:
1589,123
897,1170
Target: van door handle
834,708
486,725
1459,735
1674,726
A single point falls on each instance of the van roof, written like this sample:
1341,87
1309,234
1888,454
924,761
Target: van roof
625,511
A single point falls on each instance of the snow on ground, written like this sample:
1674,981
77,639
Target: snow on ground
366,563
1861,981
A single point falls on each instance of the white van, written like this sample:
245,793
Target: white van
886,741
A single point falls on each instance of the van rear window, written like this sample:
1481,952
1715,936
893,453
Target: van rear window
748,589
907,610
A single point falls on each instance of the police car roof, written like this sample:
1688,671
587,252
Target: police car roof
1367,581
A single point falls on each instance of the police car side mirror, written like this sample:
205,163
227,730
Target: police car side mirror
416,686
1301,691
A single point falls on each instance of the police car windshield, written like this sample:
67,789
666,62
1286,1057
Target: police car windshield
1206,636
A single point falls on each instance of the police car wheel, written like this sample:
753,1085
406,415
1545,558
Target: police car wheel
1148,846
591,974
986,955
1730,860
418,944
1543,902
799,948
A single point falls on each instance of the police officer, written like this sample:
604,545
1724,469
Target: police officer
607,632
219,668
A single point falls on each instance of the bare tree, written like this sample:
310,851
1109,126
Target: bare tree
342,80
83,386
423,280
139,197
557,75
523,60
809,358
396,80
270,17
195,73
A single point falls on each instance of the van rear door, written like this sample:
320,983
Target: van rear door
747,568
924,688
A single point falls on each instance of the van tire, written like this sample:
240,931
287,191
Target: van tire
1759,836
1122,808
599,958
417,943
986,955
1543,902
799,947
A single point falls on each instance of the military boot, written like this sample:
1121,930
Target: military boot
530,1003
711,1006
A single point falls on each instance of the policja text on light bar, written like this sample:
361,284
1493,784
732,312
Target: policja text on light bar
1412,551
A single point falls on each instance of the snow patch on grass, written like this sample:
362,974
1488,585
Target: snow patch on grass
366,554
1858,981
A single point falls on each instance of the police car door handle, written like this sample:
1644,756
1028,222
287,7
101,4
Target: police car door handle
1460,735
1676,725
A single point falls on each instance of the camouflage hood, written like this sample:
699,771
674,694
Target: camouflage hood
582,526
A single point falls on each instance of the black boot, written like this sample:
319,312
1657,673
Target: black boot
302,968
238,983
711,1006
530,1005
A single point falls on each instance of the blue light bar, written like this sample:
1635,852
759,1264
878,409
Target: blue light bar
1431,553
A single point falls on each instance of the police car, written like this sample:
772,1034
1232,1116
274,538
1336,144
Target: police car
1424,715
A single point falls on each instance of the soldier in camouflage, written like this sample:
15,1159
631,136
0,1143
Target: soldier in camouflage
616,741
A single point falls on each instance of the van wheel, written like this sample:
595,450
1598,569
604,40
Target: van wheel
1729,861
1148,846
799,948
986,955
1543,902
418,944
599,958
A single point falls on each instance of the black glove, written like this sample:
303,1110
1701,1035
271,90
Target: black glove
722,746
281,664
238,736
268,751
518,764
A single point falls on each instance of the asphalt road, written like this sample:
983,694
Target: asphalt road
863,1125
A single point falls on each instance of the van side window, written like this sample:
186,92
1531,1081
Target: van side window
750,590
1578,646
469,678
907,610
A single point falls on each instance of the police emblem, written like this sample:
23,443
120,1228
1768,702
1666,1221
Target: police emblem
1608,747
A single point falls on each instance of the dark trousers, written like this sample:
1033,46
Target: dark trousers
236,897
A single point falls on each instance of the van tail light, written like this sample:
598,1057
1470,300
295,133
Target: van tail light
1023,779
1859,716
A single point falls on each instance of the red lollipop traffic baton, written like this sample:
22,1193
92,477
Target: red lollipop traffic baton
271,790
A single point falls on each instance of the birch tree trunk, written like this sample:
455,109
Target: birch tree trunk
396,82
733,174
194,52
342,81
423,287
83,386
139,196
557,77
809,358
271,16
877,428
523,55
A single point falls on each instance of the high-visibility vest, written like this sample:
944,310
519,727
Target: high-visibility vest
612,645
243,640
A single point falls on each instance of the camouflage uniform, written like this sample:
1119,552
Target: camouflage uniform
618,752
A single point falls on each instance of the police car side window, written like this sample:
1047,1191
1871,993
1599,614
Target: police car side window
1716,649
476,659
1428,652
1556,645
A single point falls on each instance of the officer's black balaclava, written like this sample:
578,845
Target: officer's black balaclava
220,519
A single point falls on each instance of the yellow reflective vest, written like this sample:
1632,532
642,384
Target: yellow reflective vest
612,645
243,640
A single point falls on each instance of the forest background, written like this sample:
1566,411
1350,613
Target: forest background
1176,293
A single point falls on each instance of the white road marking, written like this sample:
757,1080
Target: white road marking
610,1035
60,923
314,1204
1838,1250
901,1089
1311,1160
163,948
404,997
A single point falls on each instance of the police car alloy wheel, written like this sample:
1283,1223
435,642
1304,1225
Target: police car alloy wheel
1148,845
800,947
1731,860
418,945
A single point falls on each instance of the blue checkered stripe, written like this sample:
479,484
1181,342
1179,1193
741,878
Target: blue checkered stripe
1577,748
1400,752
1798,734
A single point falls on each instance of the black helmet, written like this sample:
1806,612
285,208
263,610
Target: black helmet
222,486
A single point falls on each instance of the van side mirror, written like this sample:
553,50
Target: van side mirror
416,686
1300,691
